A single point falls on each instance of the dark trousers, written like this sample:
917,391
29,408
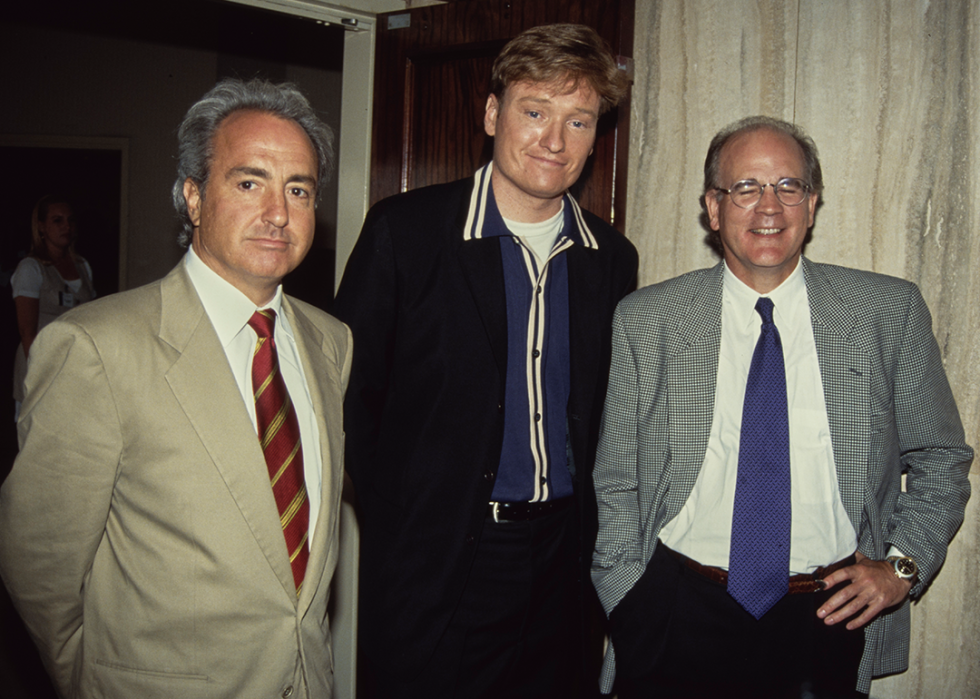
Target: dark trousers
516,631
678,634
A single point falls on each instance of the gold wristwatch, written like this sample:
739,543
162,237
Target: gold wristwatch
905,567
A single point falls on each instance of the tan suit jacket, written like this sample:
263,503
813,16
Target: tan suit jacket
139,538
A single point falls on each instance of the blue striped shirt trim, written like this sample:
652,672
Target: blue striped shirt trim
534,385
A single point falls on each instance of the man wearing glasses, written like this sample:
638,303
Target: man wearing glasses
755,539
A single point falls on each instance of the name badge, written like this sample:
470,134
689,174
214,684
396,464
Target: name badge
66,299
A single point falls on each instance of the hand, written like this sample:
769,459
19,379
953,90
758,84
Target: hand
873,587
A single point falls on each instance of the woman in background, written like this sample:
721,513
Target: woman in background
52,279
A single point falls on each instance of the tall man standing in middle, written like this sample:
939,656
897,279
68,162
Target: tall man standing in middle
481,311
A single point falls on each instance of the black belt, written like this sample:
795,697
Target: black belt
524,511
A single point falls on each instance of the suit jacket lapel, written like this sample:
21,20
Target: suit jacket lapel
483,269
203,384
327,397
845,374
692,375
585,277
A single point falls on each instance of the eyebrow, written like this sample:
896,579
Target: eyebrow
264,174
544,100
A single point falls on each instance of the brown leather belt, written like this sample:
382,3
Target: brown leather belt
798,584
524,511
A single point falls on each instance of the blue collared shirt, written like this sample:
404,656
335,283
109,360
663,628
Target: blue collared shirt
534,456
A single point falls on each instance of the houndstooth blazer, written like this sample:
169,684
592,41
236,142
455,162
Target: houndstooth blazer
889,407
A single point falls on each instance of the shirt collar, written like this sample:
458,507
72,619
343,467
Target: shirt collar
786,298
228,308
483,219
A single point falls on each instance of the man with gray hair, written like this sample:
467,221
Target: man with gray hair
169,528
755,535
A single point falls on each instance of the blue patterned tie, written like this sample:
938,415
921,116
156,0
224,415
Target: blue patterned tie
758,564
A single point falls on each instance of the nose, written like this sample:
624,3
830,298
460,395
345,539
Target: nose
769,203
276,211
553,137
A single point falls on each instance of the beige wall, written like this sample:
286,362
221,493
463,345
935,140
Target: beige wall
888,92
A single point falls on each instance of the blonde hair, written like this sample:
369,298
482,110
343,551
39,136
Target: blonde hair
39,248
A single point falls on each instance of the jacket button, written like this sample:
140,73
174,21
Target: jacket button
488,475
287,692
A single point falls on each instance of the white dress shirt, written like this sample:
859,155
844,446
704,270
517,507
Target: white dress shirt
821,533
229,311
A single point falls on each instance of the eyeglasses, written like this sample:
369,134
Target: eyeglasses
790,191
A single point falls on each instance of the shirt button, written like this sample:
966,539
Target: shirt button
287,692
539,289
537,417
536,354
544,481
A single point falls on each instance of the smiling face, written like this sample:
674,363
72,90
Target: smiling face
762,245
255,223
541,141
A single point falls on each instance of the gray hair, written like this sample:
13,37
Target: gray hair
195,138
812,173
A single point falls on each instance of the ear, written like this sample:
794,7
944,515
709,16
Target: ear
811,203
490,116
192,195
712,204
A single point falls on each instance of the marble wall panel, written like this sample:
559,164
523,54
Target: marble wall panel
889,92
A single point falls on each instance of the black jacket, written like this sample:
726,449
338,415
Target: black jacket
424,408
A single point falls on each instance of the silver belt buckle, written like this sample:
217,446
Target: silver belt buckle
496,513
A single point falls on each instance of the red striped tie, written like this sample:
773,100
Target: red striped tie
280,441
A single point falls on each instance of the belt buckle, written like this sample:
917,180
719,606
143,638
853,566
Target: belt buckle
497,519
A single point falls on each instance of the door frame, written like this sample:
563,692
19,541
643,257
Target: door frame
357,103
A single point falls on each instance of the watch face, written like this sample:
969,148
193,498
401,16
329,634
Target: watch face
905,567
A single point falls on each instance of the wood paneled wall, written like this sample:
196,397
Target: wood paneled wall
432,82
